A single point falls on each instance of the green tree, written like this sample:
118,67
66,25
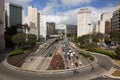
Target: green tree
117,50
97,37
115,36
22,39
83,39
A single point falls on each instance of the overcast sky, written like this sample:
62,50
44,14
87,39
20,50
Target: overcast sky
65,11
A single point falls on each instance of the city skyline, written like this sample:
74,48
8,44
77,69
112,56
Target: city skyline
64,11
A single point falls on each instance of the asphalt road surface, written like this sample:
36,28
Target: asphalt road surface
102,67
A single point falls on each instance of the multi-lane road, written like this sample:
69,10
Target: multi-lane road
40,60
101,68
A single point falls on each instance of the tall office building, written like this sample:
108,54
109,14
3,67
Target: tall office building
37,22
33,17
84,23
2,24
50,28
70,29
33,21
14,14
43,27
108,26
116,19
104,17
97,28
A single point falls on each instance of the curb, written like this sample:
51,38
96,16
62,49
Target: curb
6,64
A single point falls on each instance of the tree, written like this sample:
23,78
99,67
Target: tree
22,39
9,32
84,39
115,36
117,50
97,37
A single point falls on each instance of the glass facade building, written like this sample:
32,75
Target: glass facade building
14,14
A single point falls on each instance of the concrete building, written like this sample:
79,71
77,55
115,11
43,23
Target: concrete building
71,29
37,22
84,22
104,18
34,21
108,26
59,31
14,14
116,18
97,28
50,28
33,17
2,25
43,27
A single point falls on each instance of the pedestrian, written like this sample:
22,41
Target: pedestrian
92,68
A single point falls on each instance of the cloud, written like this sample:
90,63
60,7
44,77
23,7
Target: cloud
18,1
51,6
70,17
70,3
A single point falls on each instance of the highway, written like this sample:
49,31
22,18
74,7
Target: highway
102,67
42,57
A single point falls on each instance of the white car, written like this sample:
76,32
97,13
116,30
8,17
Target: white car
80,62
71,54
72,65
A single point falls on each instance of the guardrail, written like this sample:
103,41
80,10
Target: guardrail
9,66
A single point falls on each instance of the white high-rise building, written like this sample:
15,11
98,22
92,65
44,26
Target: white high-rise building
2,25
43,27
33,21
37,22
84,23
33,15
104,18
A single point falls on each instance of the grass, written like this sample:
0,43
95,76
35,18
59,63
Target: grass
116,73
16,52
102,51
87,55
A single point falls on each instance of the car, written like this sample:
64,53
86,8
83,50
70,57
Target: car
80,62
72,65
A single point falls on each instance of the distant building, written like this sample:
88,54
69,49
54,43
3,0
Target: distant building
33,17
97,28
108,26
43,27
84,22
2,25
104,17
59,31
70,29
37,22
50,28
14,14
34,21
116,19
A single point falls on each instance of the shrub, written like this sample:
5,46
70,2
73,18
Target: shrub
88,46
16,52
117,50
92,58
85,54
110,54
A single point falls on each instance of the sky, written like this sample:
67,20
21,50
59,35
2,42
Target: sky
65,11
